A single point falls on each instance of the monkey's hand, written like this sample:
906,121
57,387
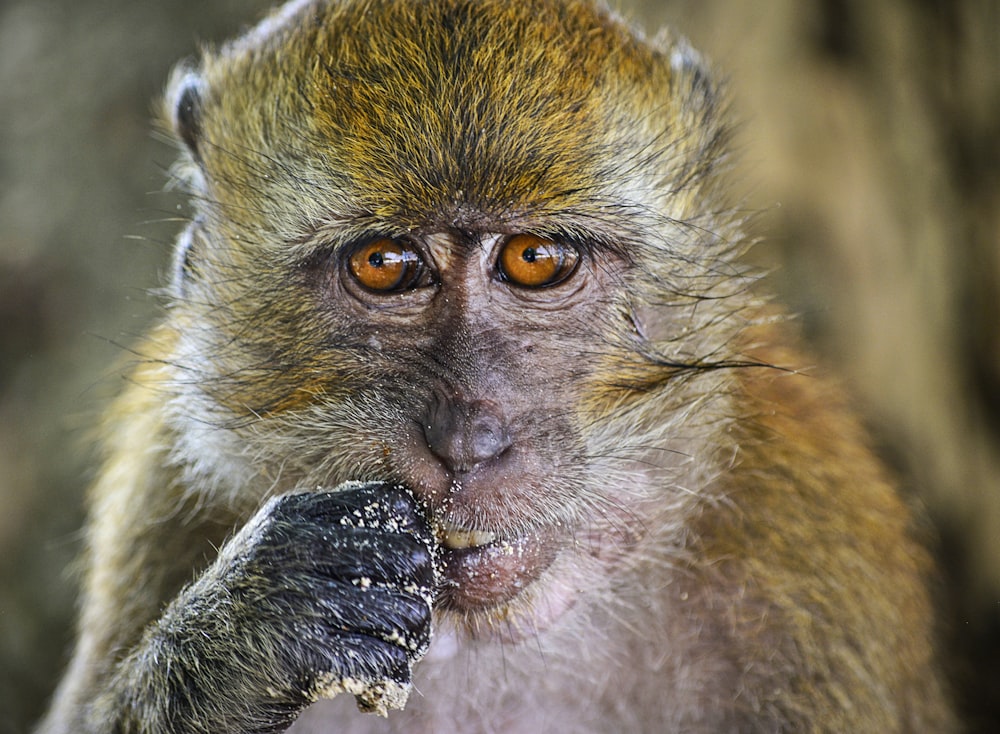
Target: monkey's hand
320,593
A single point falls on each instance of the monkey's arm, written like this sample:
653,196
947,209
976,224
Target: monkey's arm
815,559
319,592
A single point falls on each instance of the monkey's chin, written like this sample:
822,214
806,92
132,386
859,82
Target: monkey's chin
502,589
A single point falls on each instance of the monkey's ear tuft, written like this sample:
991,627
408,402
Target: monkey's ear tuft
686,62
185,96
685,59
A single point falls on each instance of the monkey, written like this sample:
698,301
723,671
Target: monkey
465,413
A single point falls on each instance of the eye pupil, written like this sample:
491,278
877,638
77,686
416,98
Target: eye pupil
530,254
376,260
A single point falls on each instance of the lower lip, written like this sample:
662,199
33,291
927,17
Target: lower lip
486,576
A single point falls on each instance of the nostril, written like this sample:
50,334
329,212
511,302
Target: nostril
465,433
488,436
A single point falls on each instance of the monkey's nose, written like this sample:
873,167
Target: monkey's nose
464,434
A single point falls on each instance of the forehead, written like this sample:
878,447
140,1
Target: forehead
424,110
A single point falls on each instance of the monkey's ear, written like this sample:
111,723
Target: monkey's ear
183,107
183,266
185,95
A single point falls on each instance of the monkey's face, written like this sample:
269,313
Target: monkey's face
468,354
464,365
422,253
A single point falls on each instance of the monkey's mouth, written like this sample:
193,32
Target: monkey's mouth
455,537
481,571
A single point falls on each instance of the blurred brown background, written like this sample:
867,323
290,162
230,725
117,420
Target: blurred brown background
871,148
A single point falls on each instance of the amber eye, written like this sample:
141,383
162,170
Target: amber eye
386,266
535,262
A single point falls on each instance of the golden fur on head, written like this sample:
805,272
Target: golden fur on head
416,113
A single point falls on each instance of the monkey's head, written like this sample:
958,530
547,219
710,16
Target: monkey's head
476,247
